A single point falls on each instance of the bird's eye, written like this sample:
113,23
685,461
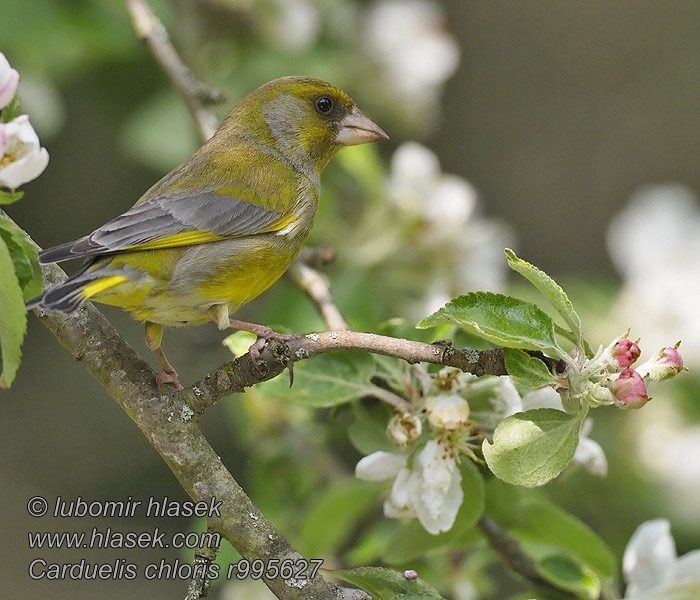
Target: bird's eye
324,104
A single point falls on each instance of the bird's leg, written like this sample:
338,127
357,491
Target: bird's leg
168,376
219,314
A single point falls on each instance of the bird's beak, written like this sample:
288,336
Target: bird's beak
356,129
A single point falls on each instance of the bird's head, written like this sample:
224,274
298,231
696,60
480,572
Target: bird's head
306,120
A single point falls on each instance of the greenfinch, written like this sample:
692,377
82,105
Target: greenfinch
222,227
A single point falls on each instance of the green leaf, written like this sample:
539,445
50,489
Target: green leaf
334,516
499,319
368,432
411,540
567,574
387,584
12,110
549,288
325,380
533,447
9,197
239,342
13,318
24,258
525,369
541,524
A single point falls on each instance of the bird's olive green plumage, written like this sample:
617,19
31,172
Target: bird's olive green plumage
222,227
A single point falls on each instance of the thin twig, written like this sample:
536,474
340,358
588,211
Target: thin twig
516,558
317,286
509,549
193,92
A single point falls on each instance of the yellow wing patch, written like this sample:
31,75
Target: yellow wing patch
191,238
102,284
186,238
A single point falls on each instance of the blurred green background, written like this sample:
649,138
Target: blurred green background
556,113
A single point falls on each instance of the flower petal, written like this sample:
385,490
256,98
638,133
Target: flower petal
25,169
398,504
687,568
589,454
9,78
379,466
649,557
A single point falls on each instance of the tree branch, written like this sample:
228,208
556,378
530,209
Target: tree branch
195,93
243,372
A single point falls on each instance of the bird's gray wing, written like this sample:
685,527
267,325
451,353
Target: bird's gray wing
181,218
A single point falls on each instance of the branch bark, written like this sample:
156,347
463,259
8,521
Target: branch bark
243,372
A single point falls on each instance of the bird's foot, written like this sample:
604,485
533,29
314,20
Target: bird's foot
263,331
264,334
170,378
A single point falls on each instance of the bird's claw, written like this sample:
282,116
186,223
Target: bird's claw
255,349
271,334
170,378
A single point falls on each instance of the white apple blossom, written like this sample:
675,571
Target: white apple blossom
418,187
9,78
435,487
447,411
441,209
652,568
409,41
430,491
21,156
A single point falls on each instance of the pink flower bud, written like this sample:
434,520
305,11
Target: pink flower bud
625,353
630,390
8,82
672,358
666,363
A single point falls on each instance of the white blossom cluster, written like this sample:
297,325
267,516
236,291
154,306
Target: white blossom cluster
424,474
21,156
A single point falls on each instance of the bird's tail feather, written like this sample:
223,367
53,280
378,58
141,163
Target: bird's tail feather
59,253
70,295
